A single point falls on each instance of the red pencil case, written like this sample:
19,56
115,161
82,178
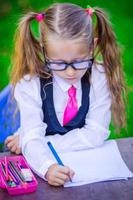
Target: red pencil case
13,178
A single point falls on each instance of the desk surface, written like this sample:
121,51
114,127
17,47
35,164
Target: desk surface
117,190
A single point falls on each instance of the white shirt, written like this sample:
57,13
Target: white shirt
32,130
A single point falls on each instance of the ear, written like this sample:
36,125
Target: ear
95,42
94,46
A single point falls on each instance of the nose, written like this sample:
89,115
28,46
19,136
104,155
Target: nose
70,71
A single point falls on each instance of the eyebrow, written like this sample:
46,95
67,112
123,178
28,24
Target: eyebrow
60,60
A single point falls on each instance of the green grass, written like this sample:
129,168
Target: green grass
121,16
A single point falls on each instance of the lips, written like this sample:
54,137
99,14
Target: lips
70,78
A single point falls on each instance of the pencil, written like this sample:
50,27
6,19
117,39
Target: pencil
6,167
9,179
17,171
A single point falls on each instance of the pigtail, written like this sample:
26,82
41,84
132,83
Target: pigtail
27,53
110,52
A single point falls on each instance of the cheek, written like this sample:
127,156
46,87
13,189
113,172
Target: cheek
81,73
59,73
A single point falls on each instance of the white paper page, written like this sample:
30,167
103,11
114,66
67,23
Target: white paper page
93,165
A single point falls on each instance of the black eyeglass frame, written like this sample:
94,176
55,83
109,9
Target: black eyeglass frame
48,62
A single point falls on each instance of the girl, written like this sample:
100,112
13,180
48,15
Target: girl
64,95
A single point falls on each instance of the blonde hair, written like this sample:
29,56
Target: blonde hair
69,21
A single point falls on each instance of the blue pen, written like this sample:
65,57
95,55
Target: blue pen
56,155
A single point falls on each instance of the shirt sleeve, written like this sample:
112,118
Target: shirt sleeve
96,128
32,131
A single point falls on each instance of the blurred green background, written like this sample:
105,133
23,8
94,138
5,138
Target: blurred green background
121,15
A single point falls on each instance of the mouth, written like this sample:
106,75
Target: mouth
71,78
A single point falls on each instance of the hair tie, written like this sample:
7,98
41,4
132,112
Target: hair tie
89,10
40,17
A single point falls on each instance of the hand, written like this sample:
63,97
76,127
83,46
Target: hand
12,143
57,175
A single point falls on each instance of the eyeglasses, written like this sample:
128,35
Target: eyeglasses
77,65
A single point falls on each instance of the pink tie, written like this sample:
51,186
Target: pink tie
72,107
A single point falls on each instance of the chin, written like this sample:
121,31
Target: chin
71,81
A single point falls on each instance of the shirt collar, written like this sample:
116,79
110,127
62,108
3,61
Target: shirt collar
63,84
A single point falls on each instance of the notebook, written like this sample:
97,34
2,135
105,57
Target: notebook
94,165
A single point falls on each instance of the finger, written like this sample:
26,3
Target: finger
11,144
8,139
57,178
54,184
71,173
62,176
59,181
13,149
64,170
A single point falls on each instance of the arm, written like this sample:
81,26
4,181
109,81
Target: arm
32,135
96,128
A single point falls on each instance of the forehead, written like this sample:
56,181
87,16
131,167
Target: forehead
63,49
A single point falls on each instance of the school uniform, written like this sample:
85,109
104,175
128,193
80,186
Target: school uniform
42,104
49,114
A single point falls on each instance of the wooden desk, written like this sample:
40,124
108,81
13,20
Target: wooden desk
111,190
